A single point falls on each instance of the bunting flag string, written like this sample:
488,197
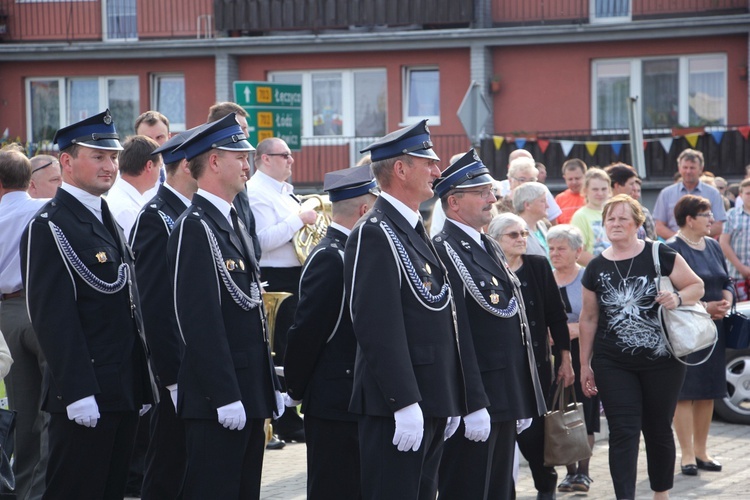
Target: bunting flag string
691,135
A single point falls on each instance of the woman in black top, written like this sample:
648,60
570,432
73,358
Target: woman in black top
636,378
707,381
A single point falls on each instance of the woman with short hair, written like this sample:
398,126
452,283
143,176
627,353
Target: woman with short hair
530,203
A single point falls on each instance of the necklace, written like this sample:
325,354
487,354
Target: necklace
627,275
694,243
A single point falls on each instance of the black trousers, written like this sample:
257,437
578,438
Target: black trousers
399,475
481,471
90,462
166,457
284,279
332,459
531,444
223,464
635,401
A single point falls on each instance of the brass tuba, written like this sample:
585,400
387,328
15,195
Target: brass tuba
310,235
271,302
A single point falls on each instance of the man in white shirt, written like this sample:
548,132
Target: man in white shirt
156,126
24,382
46,176
139,170
278,216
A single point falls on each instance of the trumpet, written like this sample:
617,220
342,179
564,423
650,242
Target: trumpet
310,235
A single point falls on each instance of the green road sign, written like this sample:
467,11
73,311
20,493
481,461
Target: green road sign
274,110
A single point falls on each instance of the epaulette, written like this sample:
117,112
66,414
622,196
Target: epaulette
195,212
47,211
155,204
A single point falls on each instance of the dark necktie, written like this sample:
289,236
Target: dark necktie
109,221
489,248
242,235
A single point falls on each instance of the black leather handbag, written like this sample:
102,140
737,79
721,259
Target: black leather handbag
737,329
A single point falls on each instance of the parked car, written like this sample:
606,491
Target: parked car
735,407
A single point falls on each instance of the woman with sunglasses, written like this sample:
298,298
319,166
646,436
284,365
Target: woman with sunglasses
707,381
545,313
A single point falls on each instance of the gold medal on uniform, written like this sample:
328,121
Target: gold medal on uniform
494,298
494,281
101,257
242,265
231,265
427,268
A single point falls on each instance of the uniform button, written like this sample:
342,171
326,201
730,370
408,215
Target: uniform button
208,399
531,302
536,344
533,323
348,372
59,397
92,360
524,284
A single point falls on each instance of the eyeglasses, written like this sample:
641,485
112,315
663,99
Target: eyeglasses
514,235
524,179
286,156
483,193
709,215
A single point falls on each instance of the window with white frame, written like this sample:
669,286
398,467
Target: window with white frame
609,11
55,102
168,98
120,20
684,91
340,103
421,89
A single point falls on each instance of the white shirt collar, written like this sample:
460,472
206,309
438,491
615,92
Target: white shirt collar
14,197
278,186
130,190
178,194
341,228
473,233
90,201
410,215
219,203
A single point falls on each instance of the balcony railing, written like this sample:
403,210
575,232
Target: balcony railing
95,20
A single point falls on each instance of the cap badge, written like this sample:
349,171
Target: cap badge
231,265
101,257
107,119
494,298
494,281
427,268
426,128
241,264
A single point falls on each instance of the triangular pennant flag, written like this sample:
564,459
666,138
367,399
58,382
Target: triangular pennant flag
718,134
616,147
543,145
520,142
682,132
566,146
744,131
666,143
498,140
692,139
591,147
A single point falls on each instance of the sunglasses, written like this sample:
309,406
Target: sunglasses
286,156
514,235
483,193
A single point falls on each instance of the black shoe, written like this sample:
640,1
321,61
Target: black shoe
545,496
298,436
565,485
275,443
711,465
581,482
689,470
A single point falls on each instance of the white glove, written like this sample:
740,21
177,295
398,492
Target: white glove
477,425
281,398
450,427
289,402
145,408
409,428
522,425
173,395
85,411
232,416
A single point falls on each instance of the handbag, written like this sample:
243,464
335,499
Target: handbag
684,329
737,329
565,436
7,426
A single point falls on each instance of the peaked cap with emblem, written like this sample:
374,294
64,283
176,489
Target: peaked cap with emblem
96,132
413,140
225,133
350,183
467,171
167,150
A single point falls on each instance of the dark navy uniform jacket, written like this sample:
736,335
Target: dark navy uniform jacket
148,238
408,348
498,346
227,357
91,339
319,362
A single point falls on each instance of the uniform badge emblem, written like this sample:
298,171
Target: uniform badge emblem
427,268
481,283
438,239
44,215
494,281
494,298
373,219
241,263
101,257
153,205
427,284
466,245
196,214
231,265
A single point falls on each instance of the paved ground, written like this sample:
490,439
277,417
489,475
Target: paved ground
284,471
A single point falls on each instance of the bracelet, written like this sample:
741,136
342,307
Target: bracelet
678,298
